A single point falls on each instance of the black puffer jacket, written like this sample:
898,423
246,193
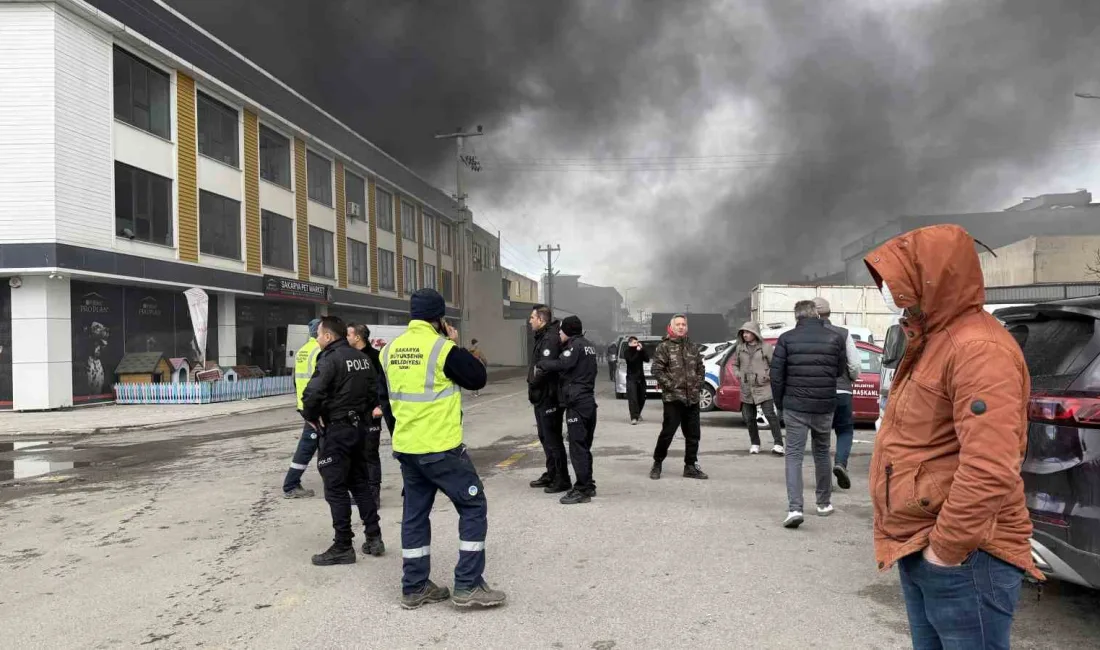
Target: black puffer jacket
805,364
345,381
542,387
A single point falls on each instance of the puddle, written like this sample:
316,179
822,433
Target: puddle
29,458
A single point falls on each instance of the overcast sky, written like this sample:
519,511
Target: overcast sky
693,149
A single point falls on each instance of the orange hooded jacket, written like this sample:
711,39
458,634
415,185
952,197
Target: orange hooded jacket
945,470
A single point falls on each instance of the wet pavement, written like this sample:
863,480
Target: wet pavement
179,537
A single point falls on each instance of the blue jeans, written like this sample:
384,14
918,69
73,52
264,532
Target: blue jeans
453,473
307,446
964,607
845,427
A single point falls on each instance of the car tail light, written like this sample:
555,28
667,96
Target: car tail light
1064,410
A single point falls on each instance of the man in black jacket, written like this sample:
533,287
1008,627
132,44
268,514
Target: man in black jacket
359,338
578,368
338,402
542,392
635,357
805,365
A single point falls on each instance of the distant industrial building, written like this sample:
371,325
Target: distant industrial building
599,308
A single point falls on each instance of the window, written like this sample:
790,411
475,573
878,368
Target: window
219,225
385,209
319,171
408,221
274,157
448,286
141,95
1055,348
476,258
410,275
444,239
217,131
430,274
870,361
143,205
359,257
277,240
321,259
386,270
355,192
429,232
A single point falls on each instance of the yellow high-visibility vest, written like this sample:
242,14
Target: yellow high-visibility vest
305,362
426,404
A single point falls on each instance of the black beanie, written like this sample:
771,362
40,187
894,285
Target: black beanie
571,326
427,305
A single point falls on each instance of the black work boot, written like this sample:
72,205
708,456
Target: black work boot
557,487
655,471
480,596
576,496
694,471
430,593
336,554
542,481
374,546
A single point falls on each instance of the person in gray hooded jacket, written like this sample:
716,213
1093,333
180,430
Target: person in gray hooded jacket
752,360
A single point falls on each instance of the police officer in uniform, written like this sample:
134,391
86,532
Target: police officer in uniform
338,402
578,369
424,370
305,361
359,338
542,392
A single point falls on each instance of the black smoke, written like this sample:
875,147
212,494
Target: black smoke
859,111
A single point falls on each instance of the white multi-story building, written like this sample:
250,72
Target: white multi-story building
141,157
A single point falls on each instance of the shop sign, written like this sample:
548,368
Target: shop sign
277,287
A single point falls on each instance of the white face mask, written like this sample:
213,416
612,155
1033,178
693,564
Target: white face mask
888,298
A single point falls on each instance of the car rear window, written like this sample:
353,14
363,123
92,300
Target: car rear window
870,361
1053,349
649,346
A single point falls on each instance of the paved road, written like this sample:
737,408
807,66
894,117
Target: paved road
180,538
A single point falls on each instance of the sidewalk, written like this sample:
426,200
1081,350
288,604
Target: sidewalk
114,417
110,418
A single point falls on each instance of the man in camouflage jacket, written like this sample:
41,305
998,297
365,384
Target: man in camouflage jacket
678,369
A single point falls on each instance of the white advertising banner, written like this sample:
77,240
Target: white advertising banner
199,304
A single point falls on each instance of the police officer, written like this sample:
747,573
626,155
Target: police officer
424,370
338,402
578,369
542,392
359,338
305,361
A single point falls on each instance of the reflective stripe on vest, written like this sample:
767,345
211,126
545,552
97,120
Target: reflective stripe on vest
305,363
426,405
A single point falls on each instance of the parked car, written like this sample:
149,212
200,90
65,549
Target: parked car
1061,470
649,344
865,401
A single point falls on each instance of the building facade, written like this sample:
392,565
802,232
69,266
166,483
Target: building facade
140,157
599,308
520,288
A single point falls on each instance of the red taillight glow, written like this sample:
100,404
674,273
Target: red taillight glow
1064,410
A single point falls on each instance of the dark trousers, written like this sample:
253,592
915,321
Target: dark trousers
345,470
548,420
749,411
580,421
962,607
679,415
374,460
299,463
635,396
453,473
844,425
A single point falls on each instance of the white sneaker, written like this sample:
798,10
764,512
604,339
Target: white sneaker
793,520
826,511
755,449
778,450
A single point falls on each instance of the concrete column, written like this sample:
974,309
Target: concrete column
42,344
227,329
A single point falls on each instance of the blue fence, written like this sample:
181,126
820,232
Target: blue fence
203,392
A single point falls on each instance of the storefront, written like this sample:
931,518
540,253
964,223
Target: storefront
110,321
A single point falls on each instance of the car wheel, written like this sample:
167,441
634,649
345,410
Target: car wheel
706,399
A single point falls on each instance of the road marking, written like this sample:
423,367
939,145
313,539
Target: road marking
533,445
511,460
473,406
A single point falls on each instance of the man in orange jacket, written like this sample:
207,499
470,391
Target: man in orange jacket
945,482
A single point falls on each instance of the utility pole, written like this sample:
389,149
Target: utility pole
459,136
687,309
549,249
